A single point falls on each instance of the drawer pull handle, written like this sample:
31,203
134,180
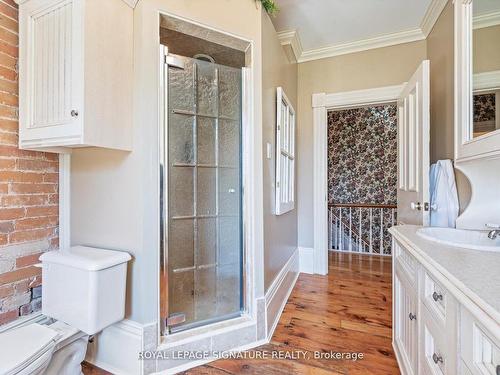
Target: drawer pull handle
436,297
74,113
437,358
412,316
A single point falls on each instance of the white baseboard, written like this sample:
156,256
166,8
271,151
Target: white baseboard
116,349
306,260
279,291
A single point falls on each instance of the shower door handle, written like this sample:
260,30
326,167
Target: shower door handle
174,62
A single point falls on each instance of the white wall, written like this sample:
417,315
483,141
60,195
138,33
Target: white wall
280,232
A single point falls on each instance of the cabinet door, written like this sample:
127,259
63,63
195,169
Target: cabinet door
405,324
51,72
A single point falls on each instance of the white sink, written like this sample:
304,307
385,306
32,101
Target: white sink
467,239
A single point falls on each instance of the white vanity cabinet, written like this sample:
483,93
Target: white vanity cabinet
75,74
434,331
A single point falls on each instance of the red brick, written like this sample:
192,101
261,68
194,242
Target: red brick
51,177
9,37
11,213
8,138
7,164
23,200
9,316
6,226
28,260
30,235
42,211
9,125
54,198
4,239
5,97
14,176
4,188
7,290
8,11
8,86
37,165
19,274
9,23
33,188
36,222
9,48
54,243
8,111
12,3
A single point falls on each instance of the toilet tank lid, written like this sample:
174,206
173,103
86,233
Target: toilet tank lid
86,258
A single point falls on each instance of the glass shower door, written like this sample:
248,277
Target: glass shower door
203,193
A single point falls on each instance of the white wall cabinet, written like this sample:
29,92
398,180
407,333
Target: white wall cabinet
432,332
75,74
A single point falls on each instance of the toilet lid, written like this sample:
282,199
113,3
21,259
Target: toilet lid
21,346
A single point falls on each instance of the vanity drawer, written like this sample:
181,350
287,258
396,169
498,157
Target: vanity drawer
406,262
479,349
435,297
435,354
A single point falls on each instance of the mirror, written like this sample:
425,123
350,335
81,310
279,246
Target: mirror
485,67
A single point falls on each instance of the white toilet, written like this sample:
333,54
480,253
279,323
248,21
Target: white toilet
84,292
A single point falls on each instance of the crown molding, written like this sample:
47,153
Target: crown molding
431,15
363,45
486,20
291,39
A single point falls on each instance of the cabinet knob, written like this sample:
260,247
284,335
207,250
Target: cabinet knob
412,316
437,358
436,296
74,113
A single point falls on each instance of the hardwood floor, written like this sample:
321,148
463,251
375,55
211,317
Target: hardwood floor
347,311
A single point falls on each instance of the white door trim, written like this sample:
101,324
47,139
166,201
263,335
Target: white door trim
321,103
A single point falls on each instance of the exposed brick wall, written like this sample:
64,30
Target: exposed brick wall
28,190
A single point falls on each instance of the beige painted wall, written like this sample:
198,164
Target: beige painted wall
440,51
280,232
114,194
368,69
486,49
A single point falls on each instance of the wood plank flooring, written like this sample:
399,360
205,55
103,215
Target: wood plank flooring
347,311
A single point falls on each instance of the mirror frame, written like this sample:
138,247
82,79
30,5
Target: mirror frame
467,148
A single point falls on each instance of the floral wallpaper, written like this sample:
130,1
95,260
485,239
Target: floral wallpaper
362,155
362,168
484,107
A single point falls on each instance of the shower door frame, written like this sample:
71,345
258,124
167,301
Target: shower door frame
249,308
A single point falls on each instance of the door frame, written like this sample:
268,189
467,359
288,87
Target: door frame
321,104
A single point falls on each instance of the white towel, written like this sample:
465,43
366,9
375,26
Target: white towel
444,196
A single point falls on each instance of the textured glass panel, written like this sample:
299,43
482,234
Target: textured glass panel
181,191
181,294
181,244
229,92
229,241
229,191
206,140
181,87
180,132
205,204
206,293
206,242
229,141
228,289
207,88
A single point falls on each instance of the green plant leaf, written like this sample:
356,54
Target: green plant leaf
270,7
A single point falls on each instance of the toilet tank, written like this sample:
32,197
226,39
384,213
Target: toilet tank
84,287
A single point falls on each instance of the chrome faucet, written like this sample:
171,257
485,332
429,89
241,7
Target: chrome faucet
494,232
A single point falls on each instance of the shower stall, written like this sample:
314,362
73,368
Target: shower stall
201,277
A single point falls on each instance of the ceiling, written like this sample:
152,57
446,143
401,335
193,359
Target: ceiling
323,23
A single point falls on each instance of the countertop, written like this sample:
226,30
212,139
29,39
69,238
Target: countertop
475,273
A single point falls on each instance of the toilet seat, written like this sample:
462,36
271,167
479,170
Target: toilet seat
29,347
